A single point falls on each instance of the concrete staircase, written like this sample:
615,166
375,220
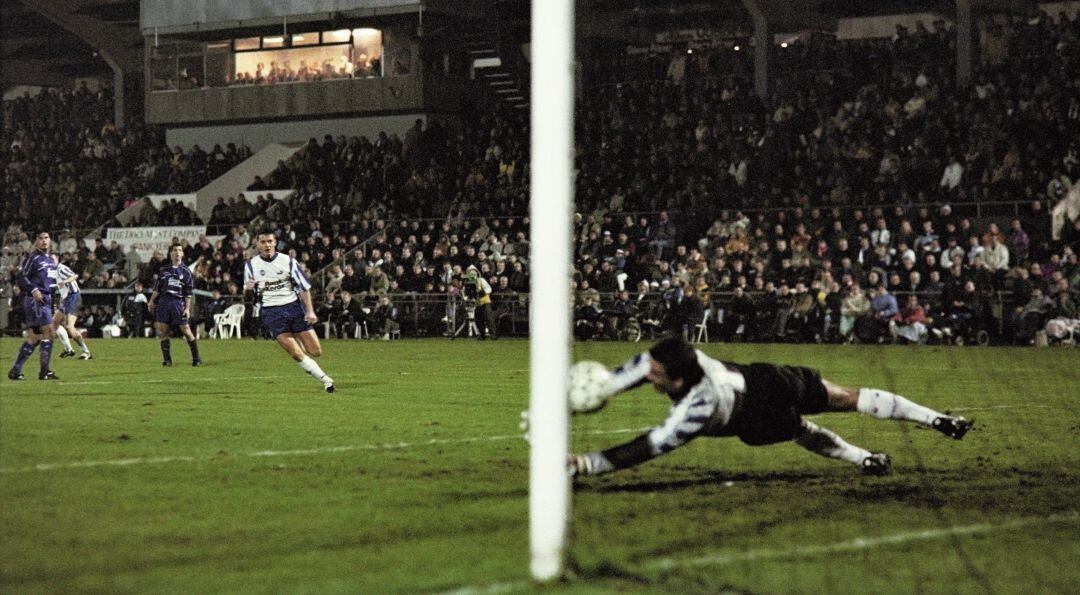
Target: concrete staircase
499,66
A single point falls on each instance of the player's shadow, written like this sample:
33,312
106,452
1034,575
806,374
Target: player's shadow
708,479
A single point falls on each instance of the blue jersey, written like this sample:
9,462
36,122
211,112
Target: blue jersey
174,283
38,272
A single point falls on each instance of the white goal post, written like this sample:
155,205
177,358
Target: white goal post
551,201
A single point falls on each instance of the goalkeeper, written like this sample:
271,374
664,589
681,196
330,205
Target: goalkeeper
759,403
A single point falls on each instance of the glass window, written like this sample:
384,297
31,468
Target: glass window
294,65
338,36
247,43
163,67
273,41
299,39
367,52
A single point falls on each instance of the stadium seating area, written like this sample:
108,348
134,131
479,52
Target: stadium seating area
67,167
851,174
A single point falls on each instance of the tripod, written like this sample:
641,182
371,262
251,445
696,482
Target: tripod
470,321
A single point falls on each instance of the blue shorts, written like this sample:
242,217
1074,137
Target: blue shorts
170,313
285,319
38,314
70,304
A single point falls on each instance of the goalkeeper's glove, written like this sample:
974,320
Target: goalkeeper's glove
593,463
578,465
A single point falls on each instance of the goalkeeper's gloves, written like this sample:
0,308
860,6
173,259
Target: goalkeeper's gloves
593,463
523,425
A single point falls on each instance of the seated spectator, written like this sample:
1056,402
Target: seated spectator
911,321
872,326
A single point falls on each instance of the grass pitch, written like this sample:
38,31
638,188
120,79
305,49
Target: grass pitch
243,476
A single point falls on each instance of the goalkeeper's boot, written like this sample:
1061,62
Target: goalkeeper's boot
328,385
166,364
195,363
953,427
68,353
13,375
878,463
48,375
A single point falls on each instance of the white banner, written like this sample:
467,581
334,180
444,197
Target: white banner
147,240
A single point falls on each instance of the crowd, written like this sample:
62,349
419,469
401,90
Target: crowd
813,215
66,166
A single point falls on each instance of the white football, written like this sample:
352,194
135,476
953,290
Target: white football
588,386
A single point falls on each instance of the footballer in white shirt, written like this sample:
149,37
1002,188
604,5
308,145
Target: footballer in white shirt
283,296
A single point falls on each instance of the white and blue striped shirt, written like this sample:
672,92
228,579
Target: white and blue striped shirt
63,271
277,280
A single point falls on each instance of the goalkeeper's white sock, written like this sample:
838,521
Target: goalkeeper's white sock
827,444
313,368
885,405
62,334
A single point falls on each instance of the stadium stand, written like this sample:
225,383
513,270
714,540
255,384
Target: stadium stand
700,206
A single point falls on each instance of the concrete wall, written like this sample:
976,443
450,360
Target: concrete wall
288,100
258,136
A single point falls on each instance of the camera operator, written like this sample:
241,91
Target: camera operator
476,291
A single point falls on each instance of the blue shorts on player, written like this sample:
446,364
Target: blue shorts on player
285,319
70,304
38,314
170,312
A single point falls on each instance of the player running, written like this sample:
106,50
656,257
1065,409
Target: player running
175,284
64,320
284,295
37,279
760,403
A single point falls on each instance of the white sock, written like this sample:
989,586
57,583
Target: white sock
62,334
313,368
885,405
82,343
827,444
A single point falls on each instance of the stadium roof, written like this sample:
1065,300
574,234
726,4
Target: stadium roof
50,42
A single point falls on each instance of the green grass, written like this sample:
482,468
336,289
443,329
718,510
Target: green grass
243,476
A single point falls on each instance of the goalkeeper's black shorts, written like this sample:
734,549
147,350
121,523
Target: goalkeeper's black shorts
776,397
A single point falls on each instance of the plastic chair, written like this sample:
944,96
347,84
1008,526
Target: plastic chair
702,329
227,324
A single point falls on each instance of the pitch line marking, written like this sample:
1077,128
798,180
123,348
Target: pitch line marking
989,407
282,453
859,543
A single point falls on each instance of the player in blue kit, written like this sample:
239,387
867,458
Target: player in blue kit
37,279
64,320
283,294
175,284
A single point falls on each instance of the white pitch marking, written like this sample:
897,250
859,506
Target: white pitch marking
281,453
167,380
489,589
859,543
989,407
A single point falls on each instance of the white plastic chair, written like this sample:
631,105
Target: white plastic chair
702,328
227,324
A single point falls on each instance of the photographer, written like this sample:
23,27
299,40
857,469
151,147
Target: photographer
476,292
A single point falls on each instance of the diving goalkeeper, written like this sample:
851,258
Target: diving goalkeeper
759,403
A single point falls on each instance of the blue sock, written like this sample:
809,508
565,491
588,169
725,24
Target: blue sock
46,355
24,354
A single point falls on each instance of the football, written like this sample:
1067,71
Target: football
588,386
